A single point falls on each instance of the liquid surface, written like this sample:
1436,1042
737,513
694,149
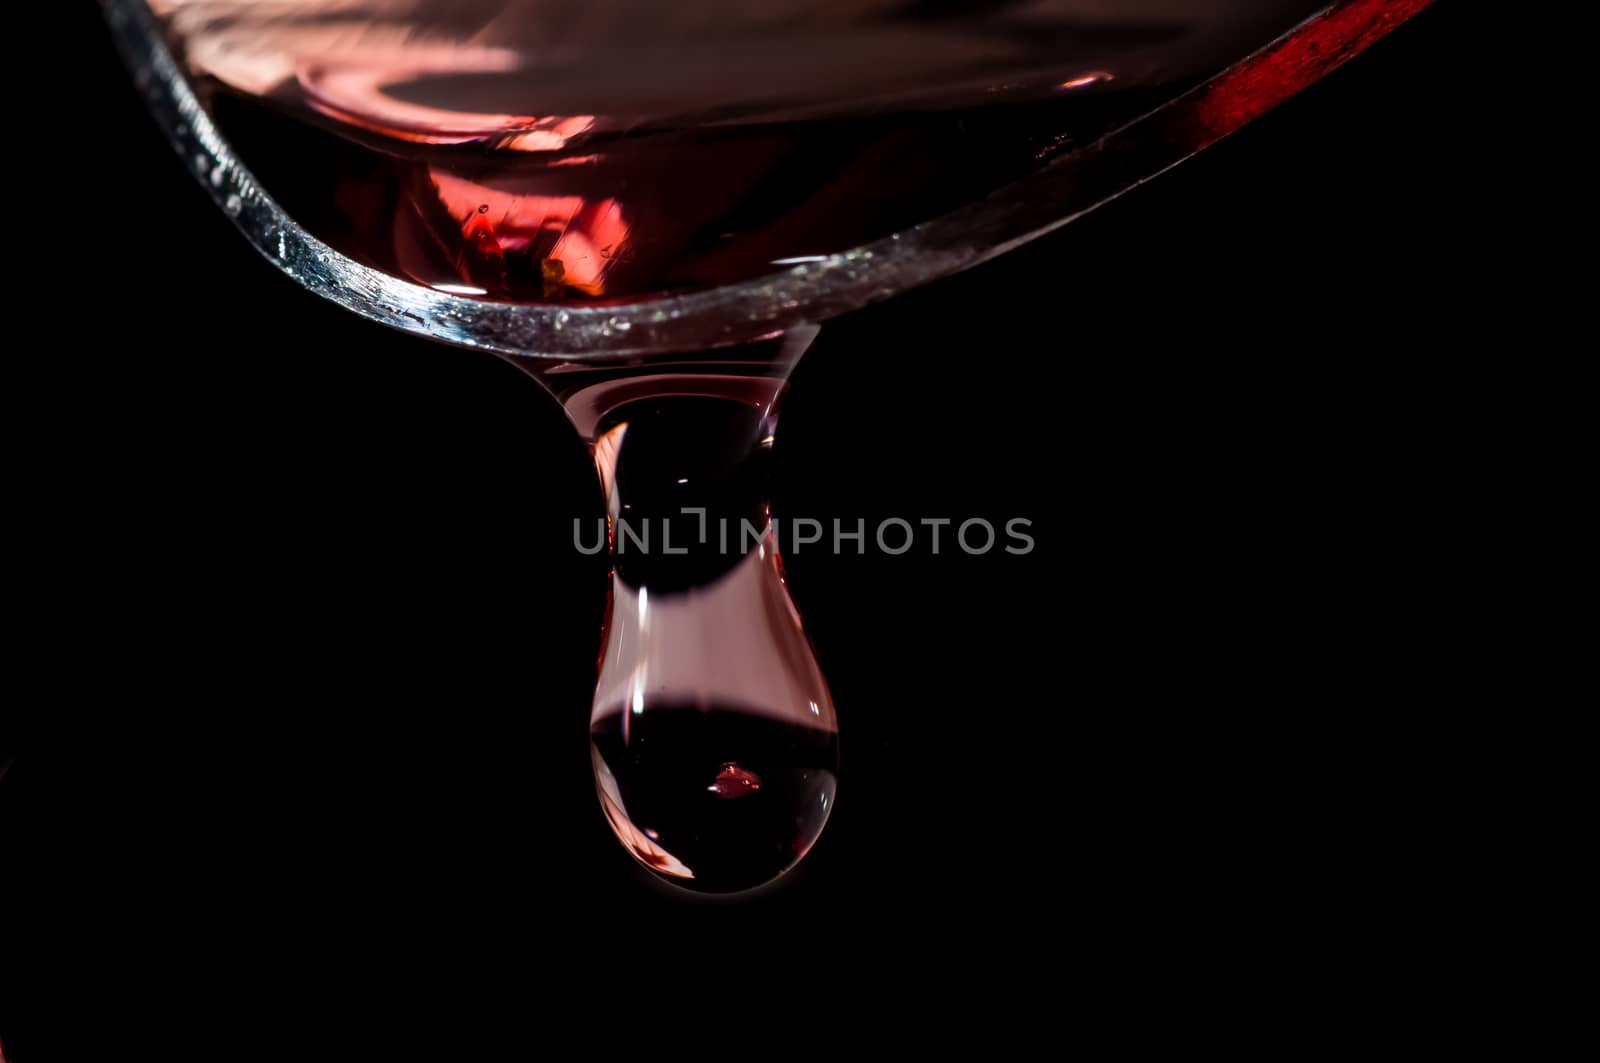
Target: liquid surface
551,150
717,800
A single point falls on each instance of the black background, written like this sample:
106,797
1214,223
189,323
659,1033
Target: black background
306,651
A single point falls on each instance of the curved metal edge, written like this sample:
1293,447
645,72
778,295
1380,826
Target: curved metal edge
1063,189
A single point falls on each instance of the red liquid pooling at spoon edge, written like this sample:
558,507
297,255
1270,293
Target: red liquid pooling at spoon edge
470,154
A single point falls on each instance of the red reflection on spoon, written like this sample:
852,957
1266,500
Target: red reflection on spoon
563,244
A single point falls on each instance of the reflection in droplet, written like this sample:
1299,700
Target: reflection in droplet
641,843
1094,77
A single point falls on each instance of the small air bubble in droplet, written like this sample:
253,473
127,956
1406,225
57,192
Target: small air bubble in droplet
733,781
620,324
218,172
483,208
234,205
561,320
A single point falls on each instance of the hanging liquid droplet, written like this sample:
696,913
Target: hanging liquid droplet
714,739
